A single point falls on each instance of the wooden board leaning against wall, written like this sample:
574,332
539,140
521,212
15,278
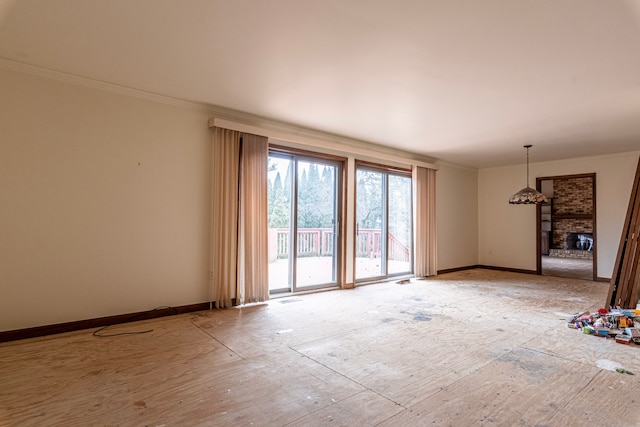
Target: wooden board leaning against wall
624,290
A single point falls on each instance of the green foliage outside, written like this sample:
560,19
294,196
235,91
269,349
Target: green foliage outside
317,198
316,194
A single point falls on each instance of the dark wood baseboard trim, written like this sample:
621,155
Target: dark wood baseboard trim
487,267
511,270
39,331
453,270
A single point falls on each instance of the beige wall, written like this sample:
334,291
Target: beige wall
104,203
507,233
457,216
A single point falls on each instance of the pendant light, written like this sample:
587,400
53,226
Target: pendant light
528,196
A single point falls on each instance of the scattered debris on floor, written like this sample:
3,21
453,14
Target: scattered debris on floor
621,324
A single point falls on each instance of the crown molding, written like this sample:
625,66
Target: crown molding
101,85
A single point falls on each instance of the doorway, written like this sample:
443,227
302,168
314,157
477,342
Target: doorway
567,227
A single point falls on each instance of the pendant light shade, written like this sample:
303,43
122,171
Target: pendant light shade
528,196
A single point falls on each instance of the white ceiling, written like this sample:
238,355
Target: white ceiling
466,81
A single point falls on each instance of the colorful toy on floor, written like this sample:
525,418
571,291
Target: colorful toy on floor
623,324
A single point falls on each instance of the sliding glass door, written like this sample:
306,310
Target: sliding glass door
370,214
303,214
399,225
383,223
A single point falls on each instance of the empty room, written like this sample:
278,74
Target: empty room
301,213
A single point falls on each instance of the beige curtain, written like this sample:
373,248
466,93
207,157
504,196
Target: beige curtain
238,266
253,247
426,240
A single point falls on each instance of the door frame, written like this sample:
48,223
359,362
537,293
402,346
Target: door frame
539,180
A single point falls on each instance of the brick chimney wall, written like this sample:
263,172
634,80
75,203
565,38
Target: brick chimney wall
571,196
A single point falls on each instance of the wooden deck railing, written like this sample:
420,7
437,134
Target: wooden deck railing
311,242
319,242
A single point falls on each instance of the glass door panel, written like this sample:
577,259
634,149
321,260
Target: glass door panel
400,225
370,203
305,190
316,224
280,237
384,224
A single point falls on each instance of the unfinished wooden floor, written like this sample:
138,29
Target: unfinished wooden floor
476,347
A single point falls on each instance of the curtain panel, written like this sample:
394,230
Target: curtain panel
238,241
253,231
425,240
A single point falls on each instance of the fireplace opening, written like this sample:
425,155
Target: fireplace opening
579,241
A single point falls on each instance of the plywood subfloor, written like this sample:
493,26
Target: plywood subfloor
476,347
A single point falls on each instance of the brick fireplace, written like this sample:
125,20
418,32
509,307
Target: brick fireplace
571,234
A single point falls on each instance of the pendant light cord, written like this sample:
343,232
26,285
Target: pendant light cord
527,147
527,167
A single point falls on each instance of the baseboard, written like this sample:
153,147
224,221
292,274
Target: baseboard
453,270
39,331
487,267
511,270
